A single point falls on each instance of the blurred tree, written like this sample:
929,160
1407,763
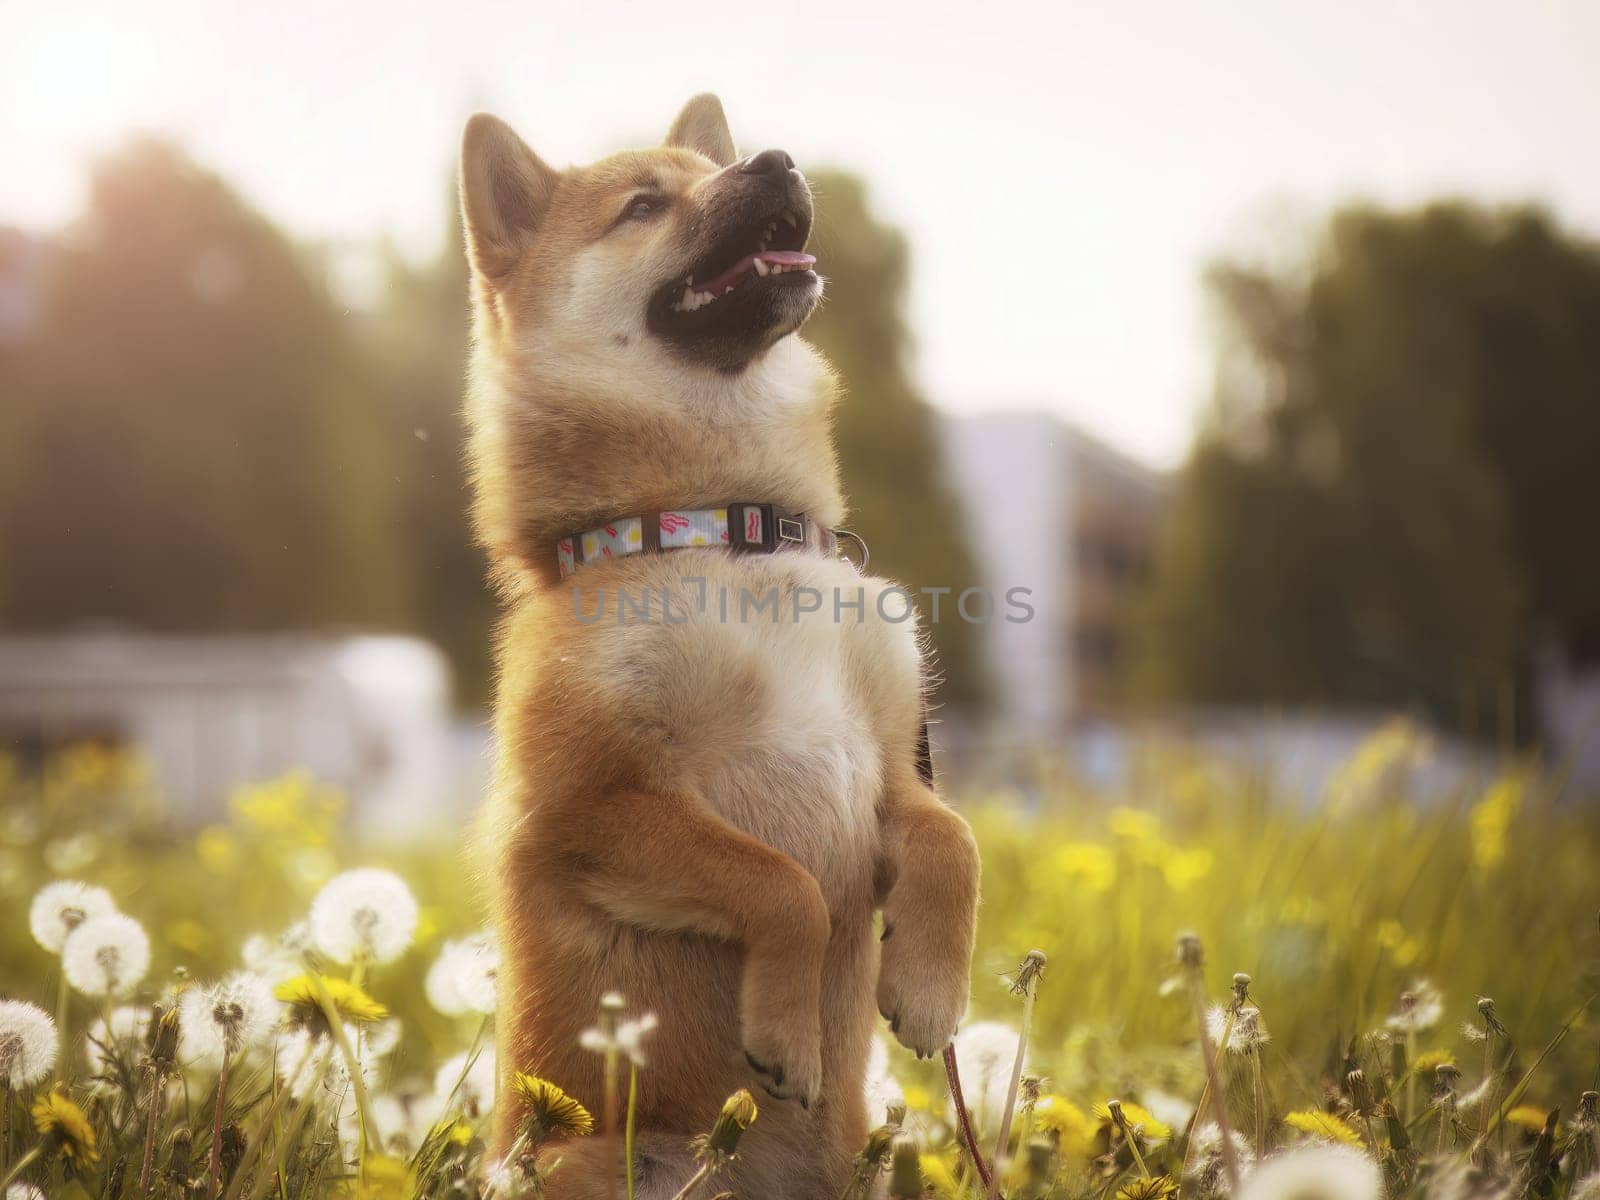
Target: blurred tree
1387,500
888,441
198,437
421,339
205,447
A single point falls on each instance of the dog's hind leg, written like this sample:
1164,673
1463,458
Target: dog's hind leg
585,1169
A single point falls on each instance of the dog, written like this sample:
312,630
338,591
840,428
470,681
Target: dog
704,810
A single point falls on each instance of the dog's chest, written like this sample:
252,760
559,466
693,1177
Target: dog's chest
773,714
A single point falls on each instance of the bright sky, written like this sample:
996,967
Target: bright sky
1064,169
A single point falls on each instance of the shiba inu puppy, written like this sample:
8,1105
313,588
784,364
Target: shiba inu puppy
702,808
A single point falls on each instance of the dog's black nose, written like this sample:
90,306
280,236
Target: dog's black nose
768,162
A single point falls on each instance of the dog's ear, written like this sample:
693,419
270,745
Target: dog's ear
505,191
703,126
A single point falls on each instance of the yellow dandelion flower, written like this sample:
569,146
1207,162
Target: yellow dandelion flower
217,850
1490,821
1133,824
1431,1060
1183,868
1160,1187
1150,1129
938,1174
349,1001
1404,950
65,1129
1319,1124
1526,1116
738,1114
383,1177
551,1112
451,1131
1072,1126
1089,863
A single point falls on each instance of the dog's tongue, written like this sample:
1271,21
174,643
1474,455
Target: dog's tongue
768,258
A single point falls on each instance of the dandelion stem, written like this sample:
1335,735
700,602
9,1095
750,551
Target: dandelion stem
154,1072
1029,982
1120,1120
22,1165
627,1144
963,1117
369,1128
695,1181
1411,1074
611,1120
1211,1090
62,1000
1261,1103
214,1166
1485,1104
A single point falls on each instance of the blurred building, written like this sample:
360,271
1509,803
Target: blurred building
1057,512
369,714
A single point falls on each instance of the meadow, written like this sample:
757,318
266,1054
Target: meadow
1193,985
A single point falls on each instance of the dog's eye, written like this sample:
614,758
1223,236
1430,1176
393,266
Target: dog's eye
642,208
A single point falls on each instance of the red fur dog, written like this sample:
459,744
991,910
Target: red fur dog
703,810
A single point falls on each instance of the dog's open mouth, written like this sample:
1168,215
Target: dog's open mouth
743,260
753,283
776,252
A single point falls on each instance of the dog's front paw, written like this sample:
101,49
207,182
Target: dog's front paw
922,984
787,1059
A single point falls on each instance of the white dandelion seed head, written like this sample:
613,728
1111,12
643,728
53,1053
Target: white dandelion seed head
366,915
1207,1167
300,1058
631,1036
1420,1009
121,1039
107,955
462,979
377,1039
278,958
1172,1111
985,1052
27,1043
1249,1031
475,1096
1588,1188
406,1115
25,1191
883,1090
61,907
501,1180
225,1019
1315,1172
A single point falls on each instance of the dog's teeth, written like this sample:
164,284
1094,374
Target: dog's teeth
761,266
761,245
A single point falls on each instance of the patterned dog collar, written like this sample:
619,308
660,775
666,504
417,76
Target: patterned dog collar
745,528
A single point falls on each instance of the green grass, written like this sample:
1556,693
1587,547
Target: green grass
1333,906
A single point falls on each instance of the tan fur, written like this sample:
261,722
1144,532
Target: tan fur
704,816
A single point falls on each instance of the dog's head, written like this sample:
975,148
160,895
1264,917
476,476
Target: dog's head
685,252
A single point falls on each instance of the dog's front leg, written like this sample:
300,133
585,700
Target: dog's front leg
930,873
668,862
